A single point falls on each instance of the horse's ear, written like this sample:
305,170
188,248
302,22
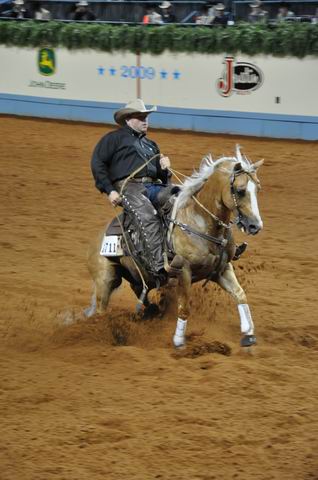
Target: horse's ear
238,153
258,164
207,160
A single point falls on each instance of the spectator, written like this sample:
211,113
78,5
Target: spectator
211,6
82,12
18,10
257,14
41,13
284,13
151,16
167,15
314,19
221,17
205,18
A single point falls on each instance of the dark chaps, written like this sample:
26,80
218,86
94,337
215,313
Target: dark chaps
143,224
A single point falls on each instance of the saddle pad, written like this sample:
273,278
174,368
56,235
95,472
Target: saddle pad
111,246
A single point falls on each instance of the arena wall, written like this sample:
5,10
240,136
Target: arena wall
261,95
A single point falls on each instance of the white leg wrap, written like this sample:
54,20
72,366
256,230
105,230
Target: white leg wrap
247,325
179,336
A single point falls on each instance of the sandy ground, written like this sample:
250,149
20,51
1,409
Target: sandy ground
76,406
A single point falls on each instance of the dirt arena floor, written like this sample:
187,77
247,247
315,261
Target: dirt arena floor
75,405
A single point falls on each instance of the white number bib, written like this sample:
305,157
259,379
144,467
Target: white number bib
111,246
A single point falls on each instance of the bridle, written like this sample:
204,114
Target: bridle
221,242
233,176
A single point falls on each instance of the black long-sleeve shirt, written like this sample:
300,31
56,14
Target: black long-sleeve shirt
120,153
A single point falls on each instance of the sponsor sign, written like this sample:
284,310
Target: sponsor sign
46,64
46,61
239,77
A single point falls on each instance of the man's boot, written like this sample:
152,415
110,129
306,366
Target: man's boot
240,249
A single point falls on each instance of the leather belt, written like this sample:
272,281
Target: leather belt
118,185
145,180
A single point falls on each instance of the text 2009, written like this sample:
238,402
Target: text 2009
137,72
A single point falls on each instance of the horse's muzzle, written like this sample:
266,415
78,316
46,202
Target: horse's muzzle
254,229
249,226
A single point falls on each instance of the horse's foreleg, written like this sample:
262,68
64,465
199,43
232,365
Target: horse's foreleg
229,283
183,295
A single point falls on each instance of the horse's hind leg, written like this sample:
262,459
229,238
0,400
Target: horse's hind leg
229,283
105,284
107,278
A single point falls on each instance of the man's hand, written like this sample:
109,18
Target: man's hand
164,162
114,198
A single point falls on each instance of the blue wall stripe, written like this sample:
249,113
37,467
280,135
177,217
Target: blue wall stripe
212,121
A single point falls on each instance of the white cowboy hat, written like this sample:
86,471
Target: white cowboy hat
256,4
135,106
18,2
219,6
82,3
165,4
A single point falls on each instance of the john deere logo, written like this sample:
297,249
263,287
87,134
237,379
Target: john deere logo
46,61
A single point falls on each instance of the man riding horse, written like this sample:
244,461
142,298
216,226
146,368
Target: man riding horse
130,169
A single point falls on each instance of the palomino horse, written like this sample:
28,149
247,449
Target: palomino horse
201,234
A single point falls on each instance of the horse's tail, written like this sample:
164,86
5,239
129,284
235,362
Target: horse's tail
91,310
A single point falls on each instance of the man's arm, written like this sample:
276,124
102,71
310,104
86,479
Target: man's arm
163,164
100,163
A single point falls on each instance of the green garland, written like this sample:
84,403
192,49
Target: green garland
294,39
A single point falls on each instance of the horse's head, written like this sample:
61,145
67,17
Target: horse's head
241,196
236,189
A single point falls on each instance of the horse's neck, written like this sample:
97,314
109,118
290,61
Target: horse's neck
211,198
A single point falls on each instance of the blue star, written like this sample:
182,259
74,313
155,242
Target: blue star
176,75
101,70
163,74
112,71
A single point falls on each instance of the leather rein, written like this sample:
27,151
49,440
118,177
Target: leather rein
186,228
218,241
221,242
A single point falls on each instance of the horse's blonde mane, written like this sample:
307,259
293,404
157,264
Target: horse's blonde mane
207,167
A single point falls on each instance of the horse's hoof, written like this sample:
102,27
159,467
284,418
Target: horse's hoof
152,310
248,341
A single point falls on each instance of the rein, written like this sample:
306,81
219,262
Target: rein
221,242
145,288
137,171
215,218
223,257
185,227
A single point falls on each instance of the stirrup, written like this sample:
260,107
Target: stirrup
141,300
240,249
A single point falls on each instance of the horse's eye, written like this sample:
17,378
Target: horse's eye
241,193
